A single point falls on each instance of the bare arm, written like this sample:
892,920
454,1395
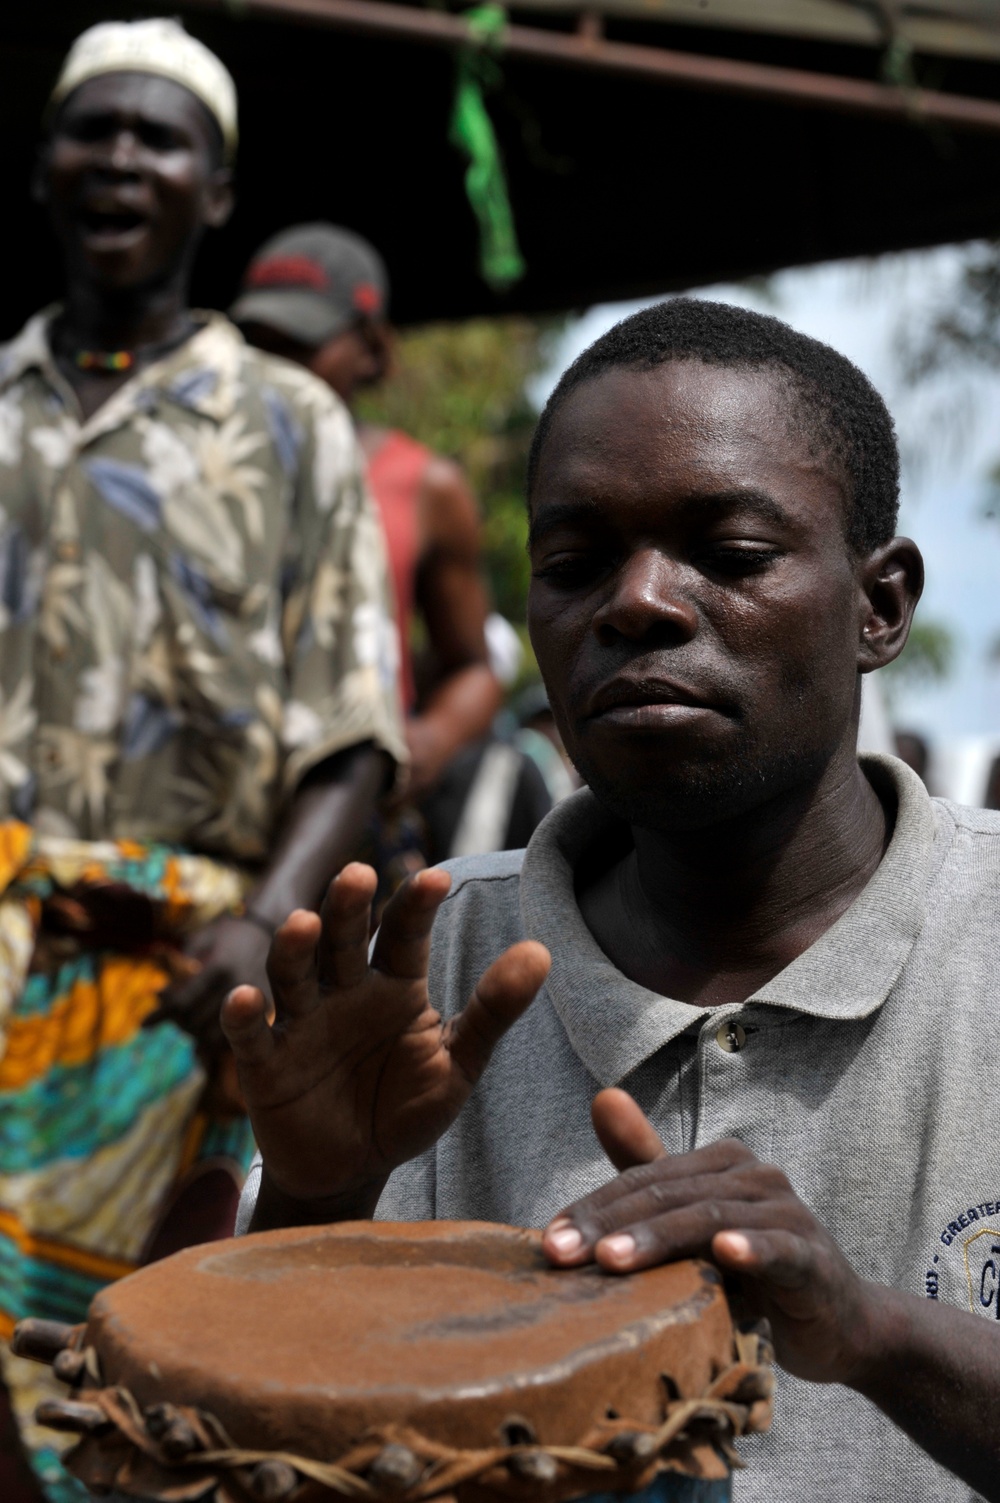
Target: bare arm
935,1372
451,596
328,817
321,832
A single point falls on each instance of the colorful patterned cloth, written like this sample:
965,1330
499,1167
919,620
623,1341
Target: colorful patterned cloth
194,603
99,1118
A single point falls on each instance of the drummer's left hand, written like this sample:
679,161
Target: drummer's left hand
722,1202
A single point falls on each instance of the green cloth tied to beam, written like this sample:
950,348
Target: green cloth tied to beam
471,131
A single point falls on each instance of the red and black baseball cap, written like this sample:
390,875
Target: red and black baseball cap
311,282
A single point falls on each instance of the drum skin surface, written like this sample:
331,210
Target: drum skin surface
429,1362
304,1339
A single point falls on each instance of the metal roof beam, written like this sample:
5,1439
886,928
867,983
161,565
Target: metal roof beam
688,70
957,28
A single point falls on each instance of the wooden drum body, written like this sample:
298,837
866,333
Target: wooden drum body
412,1363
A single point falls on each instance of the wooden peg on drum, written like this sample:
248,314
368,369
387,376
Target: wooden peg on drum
42,1340
70,1366
272,1481
64,1414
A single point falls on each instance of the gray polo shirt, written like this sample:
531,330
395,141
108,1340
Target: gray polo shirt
868,1071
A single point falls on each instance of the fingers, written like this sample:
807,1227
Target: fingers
291,964
704,1192
636,1234
328,952
402,948
623,1130
777,1257
244,1023
504,992
647,1195
665,1175
342,955
629,1139
688,1232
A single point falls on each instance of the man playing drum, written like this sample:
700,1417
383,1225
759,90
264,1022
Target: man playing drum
772,970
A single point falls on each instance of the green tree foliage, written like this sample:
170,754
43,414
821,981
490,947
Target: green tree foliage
958,334
461,389
962,328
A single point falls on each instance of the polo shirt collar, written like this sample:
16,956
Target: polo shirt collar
614,1024
29,350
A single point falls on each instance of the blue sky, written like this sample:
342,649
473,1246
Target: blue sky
949,433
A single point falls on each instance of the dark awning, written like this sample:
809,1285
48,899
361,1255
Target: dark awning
656,148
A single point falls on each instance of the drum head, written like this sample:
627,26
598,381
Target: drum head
319,1334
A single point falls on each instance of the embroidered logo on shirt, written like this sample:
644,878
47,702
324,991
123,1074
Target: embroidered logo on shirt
966,1264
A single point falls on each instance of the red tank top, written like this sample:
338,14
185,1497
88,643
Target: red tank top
394,475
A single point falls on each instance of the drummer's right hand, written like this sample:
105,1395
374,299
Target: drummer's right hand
356,1073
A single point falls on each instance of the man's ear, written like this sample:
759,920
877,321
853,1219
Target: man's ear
220,198
891,580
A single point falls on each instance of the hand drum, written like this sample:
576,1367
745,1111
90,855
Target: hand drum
412,1363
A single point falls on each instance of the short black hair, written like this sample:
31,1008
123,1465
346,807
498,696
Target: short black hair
837,405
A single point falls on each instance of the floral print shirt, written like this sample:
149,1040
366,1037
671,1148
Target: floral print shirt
193,596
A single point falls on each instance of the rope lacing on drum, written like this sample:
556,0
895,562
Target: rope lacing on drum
177,1452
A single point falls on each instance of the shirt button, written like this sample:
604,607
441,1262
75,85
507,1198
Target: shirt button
731,1037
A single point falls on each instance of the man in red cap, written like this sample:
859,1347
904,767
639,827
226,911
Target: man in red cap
318,295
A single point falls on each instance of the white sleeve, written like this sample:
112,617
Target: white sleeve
408,1195
248,1199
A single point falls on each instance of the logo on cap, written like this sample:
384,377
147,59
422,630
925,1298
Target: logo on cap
288,271
367,298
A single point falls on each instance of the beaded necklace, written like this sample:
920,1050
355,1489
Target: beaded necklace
113,362
99,360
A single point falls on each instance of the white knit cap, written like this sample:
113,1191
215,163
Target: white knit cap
159,46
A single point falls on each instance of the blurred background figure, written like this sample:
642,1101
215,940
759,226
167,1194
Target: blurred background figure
318,295
198,702
912,749
966,769
538,737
